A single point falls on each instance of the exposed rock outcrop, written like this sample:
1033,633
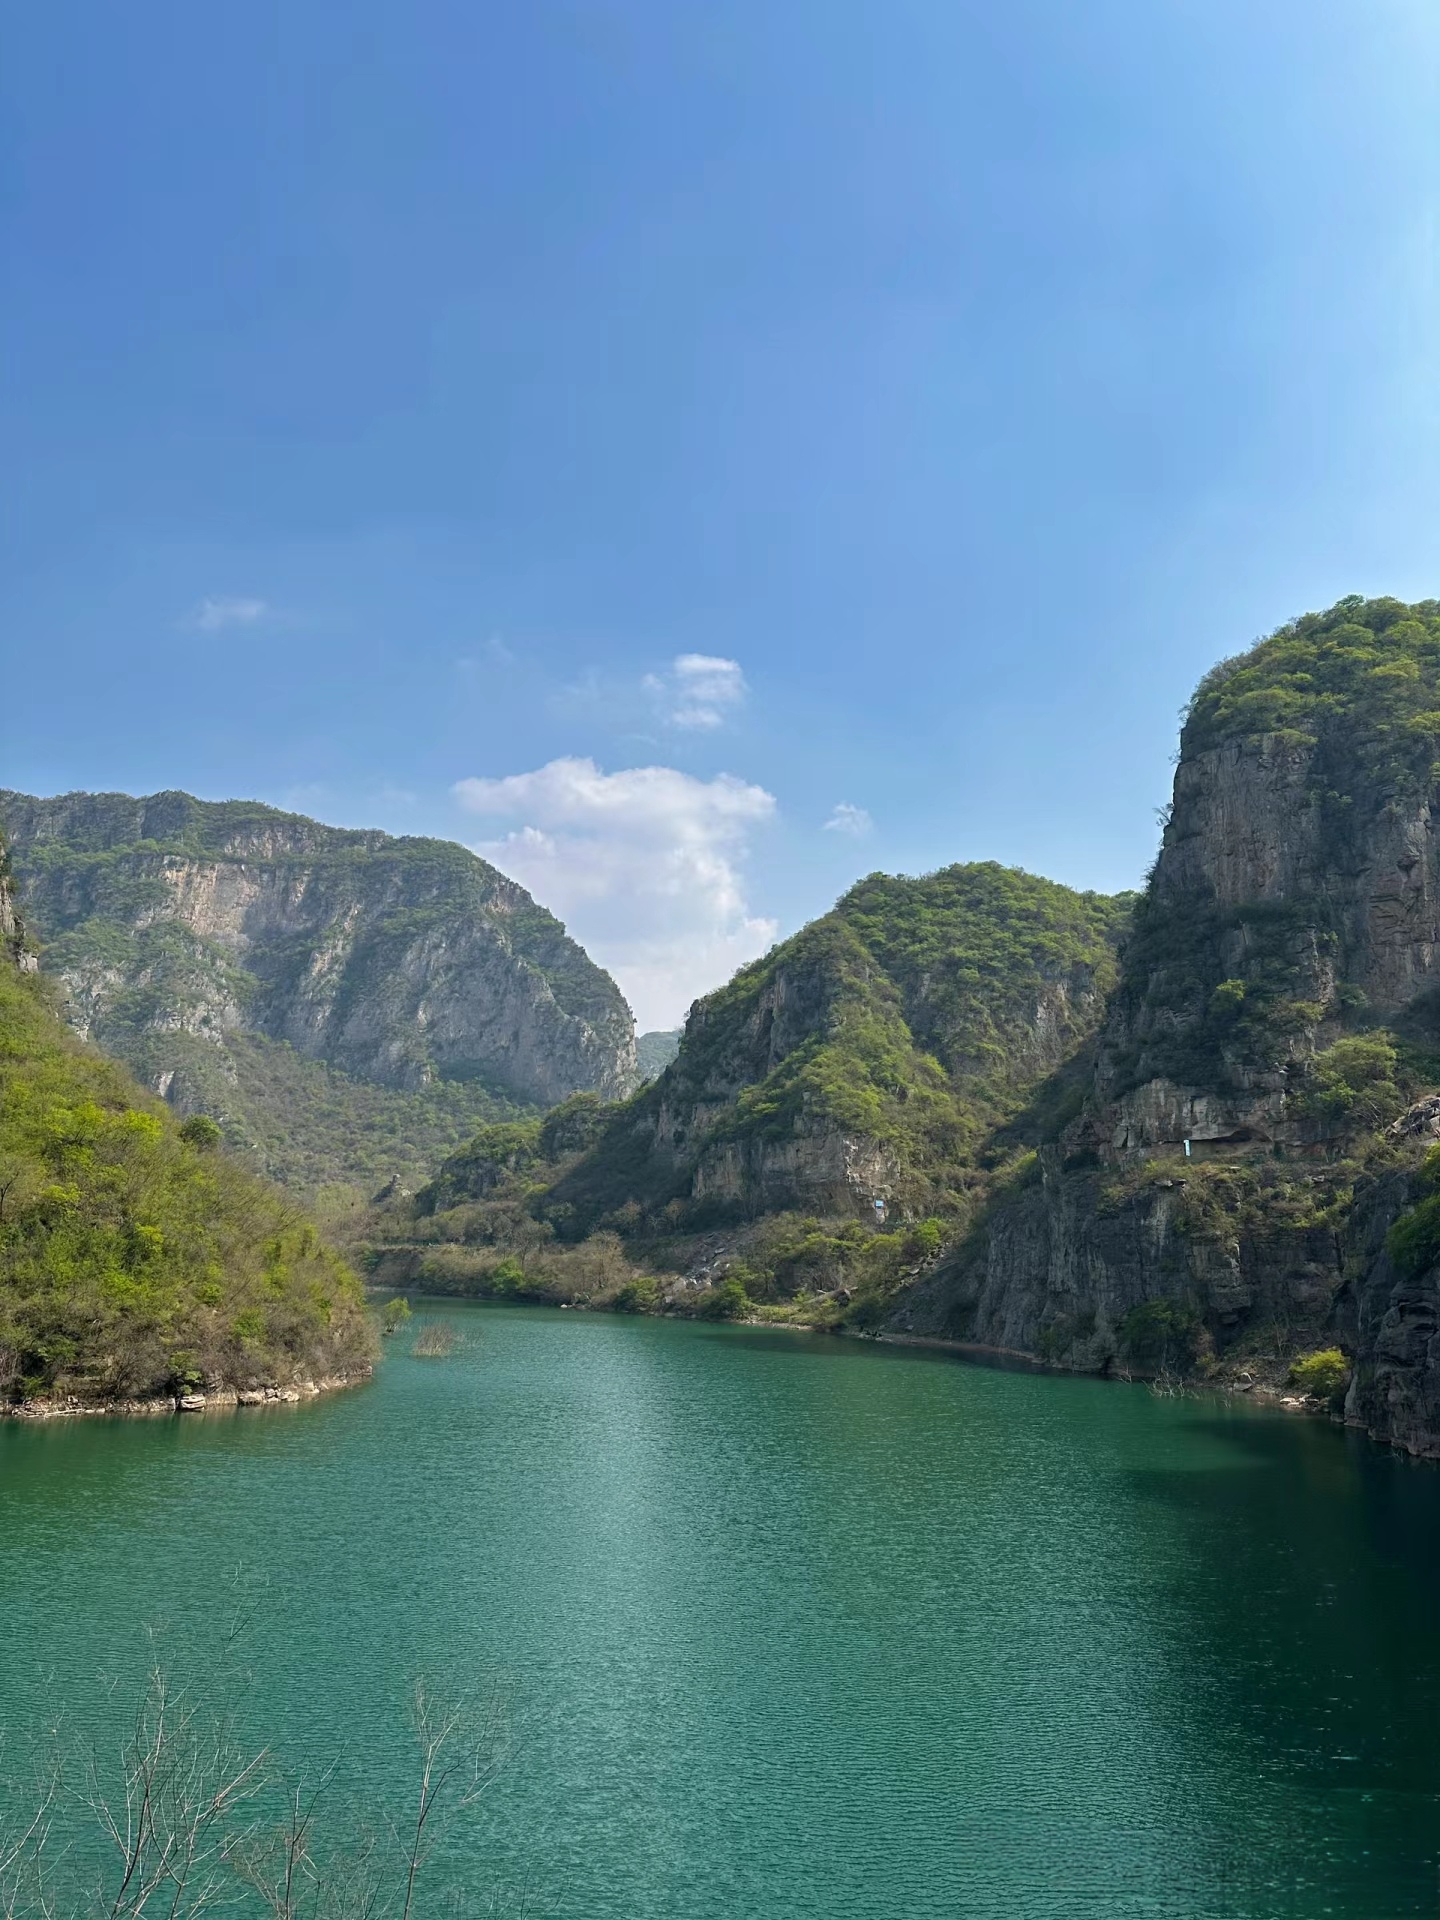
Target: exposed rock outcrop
400,961
1228,1188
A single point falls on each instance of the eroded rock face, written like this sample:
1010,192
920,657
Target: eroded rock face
1299,876
1062,1264
1249,828
825,1173
399,961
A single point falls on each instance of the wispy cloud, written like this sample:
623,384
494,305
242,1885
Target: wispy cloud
697,690
847,819
214,613
309,797
492,652
389,795
645,865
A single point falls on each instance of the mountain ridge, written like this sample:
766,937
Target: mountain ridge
178,926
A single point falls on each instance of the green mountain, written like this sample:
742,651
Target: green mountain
868,1058
136,1259
348,1005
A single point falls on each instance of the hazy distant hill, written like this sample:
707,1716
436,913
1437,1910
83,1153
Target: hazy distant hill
655,1051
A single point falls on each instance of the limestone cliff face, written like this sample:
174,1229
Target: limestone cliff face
401,962
1225,1182
1266,879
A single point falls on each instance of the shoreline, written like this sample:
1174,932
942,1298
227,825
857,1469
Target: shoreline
220,1399
1228,1388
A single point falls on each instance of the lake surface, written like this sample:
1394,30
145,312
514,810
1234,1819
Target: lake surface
785,1626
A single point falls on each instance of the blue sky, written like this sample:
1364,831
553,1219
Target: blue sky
621,434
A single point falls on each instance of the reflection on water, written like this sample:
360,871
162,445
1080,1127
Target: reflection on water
792,1626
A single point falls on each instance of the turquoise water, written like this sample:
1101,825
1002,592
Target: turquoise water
786,1626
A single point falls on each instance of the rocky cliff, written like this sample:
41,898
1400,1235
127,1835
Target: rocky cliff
865,1059
1256,1122
15,949
181,928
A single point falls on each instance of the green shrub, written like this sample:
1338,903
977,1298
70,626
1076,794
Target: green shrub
924,1240
1322,1375
396,1313
641,1295
1228,997
200,1131
1353,1082
727,1301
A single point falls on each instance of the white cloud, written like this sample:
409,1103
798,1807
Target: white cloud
645,866
847,819
697,690
214,615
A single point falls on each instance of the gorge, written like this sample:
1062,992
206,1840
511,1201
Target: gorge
1185,1132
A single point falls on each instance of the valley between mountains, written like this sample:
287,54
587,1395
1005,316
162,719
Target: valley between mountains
1192,1132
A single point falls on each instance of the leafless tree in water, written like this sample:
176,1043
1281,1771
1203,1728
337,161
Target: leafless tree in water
181,1821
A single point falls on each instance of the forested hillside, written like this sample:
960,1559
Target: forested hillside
888,1052
870,1057
136,1258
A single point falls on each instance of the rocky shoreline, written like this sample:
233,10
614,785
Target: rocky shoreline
71,1407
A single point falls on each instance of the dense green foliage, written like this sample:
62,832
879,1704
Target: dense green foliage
307,1125
1362,678
134,1260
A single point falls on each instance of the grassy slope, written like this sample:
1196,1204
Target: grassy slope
131,1260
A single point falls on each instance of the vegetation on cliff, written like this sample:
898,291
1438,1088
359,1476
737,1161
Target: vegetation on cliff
1243,1186
350,1006
1344,708
914,1018
906,1025
1361,680
135,1258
